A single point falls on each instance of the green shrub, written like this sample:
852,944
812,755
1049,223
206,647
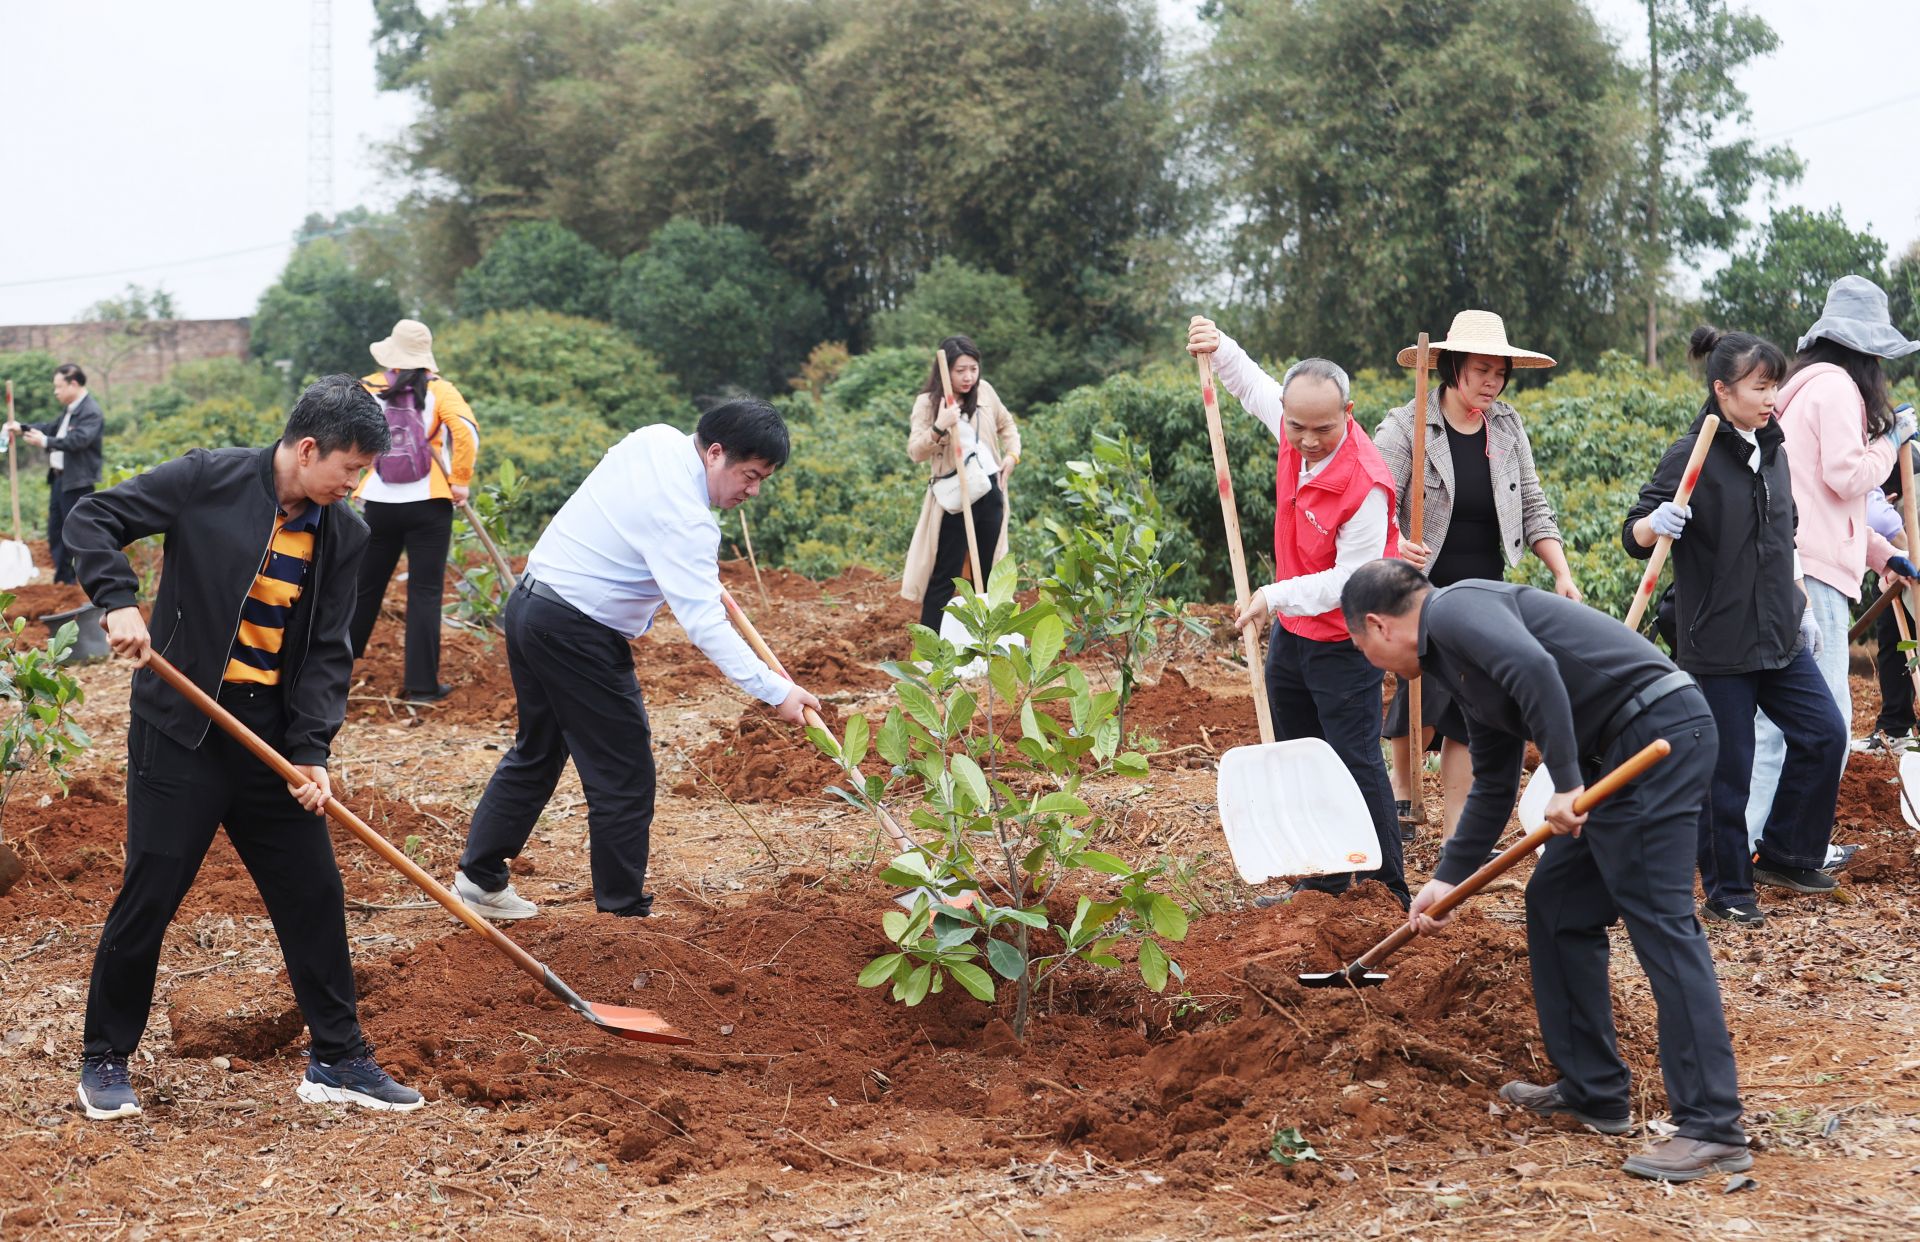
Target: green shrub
554,448
950,299
538,265
540,358
32,374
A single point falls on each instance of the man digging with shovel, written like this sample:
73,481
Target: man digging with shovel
1522,663
254,600
639,533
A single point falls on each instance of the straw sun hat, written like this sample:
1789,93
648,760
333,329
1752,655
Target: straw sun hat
409,345
1478,332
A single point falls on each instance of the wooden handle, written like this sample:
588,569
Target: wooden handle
1236,555
1416,530
960,472
1596,793
13,466
747,535
345,818
1871,615
479,528
739,617
1663,545
1908,501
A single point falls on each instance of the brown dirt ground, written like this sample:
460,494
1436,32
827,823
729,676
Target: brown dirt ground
809,1108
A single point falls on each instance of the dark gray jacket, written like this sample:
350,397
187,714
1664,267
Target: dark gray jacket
81,444
216,508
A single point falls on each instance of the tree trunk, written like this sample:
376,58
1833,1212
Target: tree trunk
1023,993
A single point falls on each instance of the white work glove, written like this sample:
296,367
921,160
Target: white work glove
1670,519
1903,425
1810,636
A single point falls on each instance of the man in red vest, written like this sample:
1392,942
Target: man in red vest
1334,513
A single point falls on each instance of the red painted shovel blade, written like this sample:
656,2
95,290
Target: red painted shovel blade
639,1024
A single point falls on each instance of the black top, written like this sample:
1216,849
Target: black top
81,444
1472,547
216,508
1737,609
1525,663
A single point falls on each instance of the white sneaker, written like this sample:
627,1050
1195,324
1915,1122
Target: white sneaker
502,906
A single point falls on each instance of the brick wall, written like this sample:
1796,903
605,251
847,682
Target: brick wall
117,355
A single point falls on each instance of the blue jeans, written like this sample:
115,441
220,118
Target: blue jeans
1800,820
1834,612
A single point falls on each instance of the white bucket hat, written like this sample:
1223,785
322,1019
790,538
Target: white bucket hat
1477,332
409,345
1856,316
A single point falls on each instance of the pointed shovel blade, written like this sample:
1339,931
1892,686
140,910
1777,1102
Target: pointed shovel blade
643,1025
1351,977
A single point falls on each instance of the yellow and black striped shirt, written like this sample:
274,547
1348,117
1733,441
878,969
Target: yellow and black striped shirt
276,588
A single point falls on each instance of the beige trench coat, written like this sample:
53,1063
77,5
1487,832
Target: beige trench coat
997,429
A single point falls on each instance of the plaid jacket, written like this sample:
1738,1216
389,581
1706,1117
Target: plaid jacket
1525,515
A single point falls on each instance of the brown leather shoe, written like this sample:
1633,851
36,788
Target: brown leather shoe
1546,1101
1684,1159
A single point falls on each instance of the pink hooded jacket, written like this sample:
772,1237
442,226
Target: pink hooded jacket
1834,467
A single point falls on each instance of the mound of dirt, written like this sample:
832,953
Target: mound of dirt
474,664
835,665
210,1019
761,759
1180,713
1868,815
43,596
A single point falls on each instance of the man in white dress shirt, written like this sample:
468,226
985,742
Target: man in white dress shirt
1333,514
639,533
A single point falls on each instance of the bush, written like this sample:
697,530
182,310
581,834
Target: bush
951,299
538,265
32,374
321,315
215,423
553,447
714,306
541,358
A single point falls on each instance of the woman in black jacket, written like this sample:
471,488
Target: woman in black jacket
1743,629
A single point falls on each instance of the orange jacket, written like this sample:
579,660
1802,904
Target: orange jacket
453,423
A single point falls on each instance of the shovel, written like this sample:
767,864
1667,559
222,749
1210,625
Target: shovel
638,1024
16,559
1664,545
1362,972
1909,782
1287,808
1416,528
479,528
901,841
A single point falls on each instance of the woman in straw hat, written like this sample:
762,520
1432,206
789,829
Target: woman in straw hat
1842,439
409,497
1484,509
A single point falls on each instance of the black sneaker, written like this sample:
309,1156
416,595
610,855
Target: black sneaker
1546,1101
357,1080
434,695
106,1092
1799,879
1738,916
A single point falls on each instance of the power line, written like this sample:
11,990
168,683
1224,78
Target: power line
1843,116
144,267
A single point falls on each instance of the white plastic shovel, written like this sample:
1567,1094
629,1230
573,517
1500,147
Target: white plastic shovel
1287,808
16,559
1910,787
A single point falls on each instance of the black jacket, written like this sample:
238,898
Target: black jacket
1524,663
81,444
1737,609
216,508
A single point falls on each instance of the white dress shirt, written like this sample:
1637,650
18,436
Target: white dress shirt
1362,539
57,460
639,533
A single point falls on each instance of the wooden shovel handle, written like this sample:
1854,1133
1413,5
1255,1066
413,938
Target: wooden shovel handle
1416,531
479,528
960,473
1236,555
1871,615
345,818
1596,793
1655,563
13,466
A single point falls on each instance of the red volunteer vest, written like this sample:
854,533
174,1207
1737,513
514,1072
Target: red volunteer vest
1307,520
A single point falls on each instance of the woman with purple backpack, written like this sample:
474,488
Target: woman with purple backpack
409,495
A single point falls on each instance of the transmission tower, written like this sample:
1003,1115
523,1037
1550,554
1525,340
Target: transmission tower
320,107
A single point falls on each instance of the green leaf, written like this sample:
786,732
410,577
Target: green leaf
1102,862
912,869
914,990
894,923
1130,763
880,969
971,977
1035,917
972,780
1058,803
1002,580
1049,636
1006,959
1167,917
1153,965
960,712
919,705
892,742
854,749
1290,1147
823,741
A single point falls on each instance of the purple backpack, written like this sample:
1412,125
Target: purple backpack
411,455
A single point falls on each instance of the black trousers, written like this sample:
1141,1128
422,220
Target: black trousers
573,679
1896,683
176,798
60,502
1329,691
423,529
1633,862
950,554
1800,824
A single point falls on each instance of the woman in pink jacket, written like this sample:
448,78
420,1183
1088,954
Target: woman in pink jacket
1841,439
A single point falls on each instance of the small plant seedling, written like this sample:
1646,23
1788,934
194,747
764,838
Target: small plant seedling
1289,1147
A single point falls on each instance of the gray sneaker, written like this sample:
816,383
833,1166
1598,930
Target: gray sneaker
106,1093
1546,1101
503,906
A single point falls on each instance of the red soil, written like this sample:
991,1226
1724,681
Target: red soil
1179,713
759,758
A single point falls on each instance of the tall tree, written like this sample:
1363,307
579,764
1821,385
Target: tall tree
322,313
1394,161
1698,181
1776,287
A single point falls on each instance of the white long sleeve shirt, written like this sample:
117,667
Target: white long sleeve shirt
640,533
1362,539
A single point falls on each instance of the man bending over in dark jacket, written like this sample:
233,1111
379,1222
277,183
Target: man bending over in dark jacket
256,592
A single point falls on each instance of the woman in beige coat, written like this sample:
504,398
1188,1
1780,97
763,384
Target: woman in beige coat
987,435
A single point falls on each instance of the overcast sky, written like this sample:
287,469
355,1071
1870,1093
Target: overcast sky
166,143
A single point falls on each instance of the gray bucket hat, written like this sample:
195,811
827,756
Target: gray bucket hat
1856,316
